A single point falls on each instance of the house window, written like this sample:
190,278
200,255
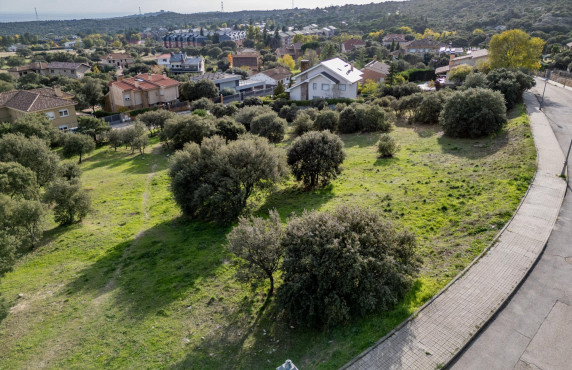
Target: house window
314,86
126,97
52,71
342,87
325,87
63,128
50,115
64,113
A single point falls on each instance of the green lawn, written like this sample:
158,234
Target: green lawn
137,286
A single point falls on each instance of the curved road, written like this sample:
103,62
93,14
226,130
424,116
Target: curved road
534,330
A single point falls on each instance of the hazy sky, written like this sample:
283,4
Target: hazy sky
131,6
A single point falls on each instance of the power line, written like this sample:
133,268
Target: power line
37,18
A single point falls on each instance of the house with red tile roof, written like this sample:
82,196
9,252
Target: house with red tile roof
58,106
351,44
115,60
142,91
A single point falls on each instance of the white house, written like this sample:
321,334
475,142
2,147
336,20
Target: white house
332,78
273,76
163,60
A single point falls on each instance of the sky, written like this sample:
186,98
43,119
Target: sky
62,9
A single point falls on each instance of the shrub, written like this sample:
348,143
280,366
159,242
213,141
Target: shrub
316,157
289,113
473,113
312,113
371,118
252,100
510,83
475,79
431,105
247,114
213,181
229,128
344,264
155,119
407,104
180,130
384,102
399,91
69,171
115,139
319,103
302,124
72,203
386,146
458,74
202,103
327,120
220,110
257,242
348,120
277,104
270,126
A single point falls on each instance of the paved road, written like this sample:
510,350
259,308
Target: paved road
534,330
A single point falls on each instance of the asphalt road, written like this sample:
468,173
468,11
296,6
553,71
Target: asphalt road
534,329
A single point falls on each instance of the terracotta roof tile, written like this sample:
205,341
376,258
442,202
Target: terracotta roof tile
29,101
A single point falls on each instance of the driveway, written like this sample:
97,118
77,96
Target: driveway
534,329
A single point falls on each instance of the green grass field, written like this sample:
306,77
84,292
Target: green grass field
137,286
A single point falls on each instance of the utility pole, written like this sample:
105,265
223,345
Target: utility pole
221,7
292,4
37,18
543,91
139,10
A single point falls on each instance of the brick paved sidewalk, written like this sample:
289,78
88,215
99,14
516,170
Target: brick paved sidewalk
443,326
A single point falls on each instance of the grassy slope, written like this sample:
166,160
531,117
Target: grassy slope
136,286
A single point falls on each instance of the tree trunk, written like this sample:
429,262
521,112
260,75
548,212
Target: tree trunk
271,285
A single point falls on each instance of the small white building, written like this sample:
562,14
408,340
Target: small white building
273,76
332,78
163,60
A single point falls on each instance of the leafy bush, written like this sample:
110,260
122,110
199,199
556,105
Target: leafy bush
247,114
213,181
344,264
327,120
407,104
302,124
181,129
458,74
348,122
371,118
252,100
72,203
316,157
202,103
77,144
319,103
419,74
399,91
277,104
429,110
511,83
473,113
155,119
270,126
220,110
386,146
475,79
289,113
229,128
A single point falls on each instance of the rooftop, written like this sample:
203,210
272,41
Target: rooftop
32,101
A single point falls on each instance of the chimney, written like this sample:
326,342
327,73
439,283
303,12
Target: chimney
304,65
352,66
375,57
451,57
120,78
136,83
58,91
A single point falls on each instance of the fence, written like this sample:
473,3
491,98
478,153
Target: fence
562,77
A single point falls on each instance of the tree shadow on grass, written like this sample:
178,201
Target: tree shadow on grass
162,264
262,339
386,162
295,200
109,159
361,140
474,148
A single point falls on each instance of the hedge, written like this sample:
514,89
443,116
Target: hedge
419,75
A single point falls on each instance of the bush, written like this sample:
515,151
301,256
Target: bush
384,102
312,113
371,118
180,130
202,103
270,126
77,144
399,91
302,124
220,110
348,122
252,100
460,73
318,103
155,119
475,79
247,114
213,181
72,203
229,128
386,146
344,264
315,157
277,104
510,83
289,113
69,171
429,110
407,105
473,113
327,120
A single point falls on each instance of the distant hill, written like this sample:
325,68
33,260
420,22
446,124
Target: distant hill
531,15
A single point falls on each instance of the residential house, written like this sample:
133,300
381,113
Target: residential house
35,67
375,71
422,46
332,78
273,76
351,44
249,58
393,39
473,58
71,44
16,47
142,91
115,60
58,106
569,45
220,79
163,60
71,70
294,50
181,63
